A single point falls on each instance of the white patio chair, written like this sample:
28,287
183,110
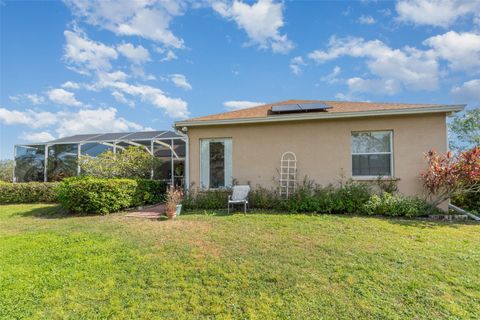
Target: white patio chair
239,195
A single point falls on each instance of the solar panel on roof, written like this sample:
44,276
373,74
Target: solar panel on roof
314,106
286,108
304,107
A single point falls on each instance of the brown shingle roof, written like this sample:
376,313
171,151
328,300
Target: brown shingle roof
336,106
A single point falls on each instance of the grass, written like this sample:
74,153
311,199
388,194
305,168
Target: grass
237,266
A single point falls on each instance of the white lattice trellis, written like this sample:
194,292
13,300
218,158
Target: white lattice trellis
288,174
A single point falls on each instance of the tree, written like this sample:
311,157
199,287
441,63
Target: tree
448,174
465,130
133,162
6,170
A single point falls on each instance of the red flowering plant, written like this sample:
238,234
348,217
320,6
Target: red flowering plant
448,174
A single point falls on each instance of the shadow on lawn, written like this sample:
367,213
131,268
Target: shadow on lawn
53,212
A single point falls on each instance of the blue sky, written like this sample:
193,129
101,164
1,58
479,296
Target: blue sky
101,66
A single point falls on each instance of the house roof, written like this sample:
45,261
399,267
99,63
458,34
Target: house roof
263,113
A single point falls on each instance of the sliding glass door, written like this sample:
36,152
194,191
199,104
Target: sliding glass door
215,163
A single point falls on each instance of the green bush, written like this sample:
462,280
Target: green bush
263,198
149,192
101,195
206,200
389,205
27,192
468,201
6,170
348,198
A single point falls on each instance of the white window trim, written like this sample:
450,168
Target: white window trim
227,184
392,167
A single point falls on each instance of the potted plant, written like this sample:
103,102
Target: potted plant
173,206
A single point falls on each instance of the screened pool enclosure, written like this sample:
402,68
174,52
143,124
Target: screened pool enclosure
58,159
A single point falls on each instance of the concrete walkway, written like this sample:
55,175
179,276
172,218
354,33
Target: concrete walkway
150,212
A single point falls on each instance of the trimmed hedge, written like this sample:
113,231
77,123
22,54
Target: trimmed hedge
100,195
27,192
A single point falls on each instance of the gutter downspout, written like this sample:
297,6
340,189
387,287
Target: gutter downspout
471,215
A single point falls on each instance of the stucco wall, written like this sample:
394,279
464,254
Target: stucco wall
322,147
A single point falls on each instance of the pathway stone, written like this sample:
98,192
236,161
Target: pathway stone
150,212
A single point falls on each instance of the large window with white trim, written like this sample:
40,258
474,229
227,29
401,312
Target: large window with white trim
372,154
215,163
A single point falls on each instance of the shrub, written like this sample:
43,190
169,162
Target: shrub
448,174
133,162
6,170
469,201
263,198
27,192
206,200
390,205
149,192
350,197
100,195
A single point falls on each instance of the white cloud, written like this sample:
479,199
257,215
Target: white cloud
461,50
237,105
440,13
139,72
94,121
296,65
375,86
414,69
137,54
149,19
180,81
261,21
42,136
106,77
169,56
366,20
173,107
29,118
35,98
469,91
121,98
332,77
85,55
32,98
62,96
70,85
70,123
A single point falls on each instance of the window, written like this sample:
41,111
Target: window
215,163
372,154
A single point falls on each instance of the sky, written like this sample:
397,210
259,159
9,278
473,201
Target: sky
71,67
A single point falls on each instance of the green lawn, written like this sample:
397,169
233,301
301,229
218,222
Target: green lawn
239,266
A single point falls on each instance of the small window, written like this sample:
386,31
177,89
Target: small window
215,163
372,154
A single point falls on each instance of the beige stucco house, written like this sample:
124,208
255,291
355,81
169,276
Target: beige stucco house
278,144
